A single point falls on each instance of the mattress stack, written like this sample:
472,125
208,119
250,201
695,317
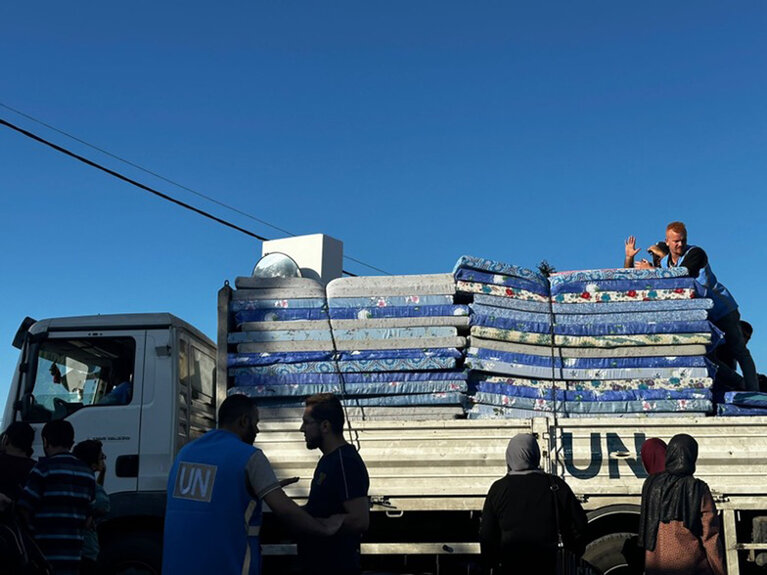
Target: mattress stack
743,403
399,342
608,342
280,330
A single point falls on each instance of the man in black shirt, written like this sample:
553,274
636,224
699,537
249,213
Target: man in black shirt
340,485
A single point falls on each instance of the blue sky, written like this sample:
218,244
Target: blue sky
412,131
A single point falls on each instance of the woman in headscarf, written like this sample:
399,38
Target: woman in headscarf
653,453
679,525
518,532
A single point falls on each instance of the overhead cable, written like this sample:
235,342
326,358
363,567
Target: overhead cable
136,183
172,182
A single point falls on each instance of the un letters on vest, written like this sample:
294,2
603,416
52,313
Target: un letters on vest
194,481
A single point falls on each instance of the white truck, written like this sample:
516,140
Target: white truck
428,478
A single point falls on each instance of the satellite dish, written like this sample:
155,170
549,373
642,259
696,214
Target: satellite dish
276,265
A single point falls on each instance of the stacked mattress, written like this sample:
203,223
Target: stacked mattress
385,345
407,329
743,403
581,344
281,341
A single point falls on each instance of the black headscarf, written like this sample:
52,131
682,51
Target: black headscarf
674,494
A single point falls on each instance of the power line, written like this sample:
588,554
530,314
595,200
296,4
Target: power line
168,180
146,188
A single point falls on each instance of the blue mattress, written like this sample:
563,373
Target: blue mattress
393,333
270,358
541,372
242,377
557,279
352,389
486,265
589,362
279,335
389,300
633,306
424,399
500,279
414,311
578,395
372,365
481,411
747,398
585,308
518,304
737,410
597,329
597,408
577,319
627,284
300,303
288,314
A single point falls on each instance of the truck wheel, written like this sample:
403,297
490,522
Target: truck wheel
132,554
612,556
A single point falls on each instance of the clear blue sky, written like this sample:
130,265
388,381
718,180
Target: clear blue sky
413,131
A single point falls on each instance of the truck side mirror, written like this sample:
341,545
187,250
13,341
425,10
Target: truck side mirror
18,339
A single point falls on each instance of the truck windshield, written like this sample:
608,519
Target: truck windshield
74,373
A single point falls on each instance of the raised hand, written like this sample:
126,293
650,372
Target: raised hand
631,247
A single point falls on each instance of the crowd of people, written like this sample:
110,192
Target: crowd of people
50,508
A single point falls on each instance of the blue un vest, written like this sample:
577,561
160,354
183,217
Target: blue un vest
724,303
212,522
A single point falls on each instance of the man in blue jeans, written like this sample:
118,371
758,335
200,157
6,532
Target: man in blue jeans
723,315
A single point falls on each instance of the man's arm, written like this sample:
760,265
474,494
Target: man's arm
357,518
298,520
631,252
643,264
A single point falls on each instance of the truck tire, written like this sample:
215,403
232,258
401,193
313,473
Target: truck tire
132,554
607,555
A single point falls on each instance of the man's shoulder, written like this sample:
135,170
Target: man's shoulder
350,454
695,251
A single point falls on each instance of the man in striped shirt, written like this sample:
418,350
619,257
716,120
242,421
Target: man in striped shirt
56,499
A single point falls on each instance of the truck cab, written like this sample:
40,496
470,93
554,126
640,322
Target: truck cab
144,385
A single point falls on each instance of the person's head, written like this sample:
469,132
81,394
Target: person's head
653,453
658,252
18,438
91,453
58,436
676,239
323,417
239,414
681,455
747,329
522,454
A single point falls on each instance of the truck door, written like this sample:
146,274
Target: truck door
95,381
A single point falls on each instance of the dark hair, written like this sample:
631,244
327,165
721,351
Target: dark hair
88,451
746,327
59,433
234,407
21,435
326,406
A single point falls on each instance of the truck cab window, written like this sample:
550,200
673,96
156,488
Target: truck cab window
75,373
